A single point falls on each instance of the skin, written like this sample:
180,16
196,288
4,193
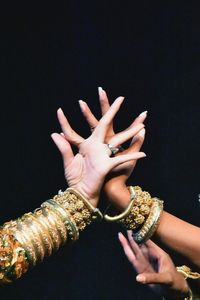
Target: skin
155,268
82,170
171,230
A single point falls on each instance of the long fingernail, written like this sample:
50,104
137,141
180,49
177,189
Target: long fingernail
144,113
82,104
100,89
140,278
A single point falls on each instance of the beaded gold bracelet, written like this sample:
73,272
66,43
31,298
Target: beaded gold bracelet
142,214
28,240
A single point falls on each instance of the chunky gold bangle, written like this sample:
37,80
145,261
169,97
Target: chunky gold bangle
137,210
151,223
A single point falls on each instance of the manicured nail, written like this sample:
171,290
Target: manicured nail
140,278
100,89
143,113
82,105
60,110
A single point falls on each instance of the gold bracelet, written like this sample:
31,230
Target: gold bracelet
187,273
29,239
151,223
136,212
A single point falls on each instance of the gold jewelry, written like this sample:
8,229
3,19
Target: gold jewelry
151,223
13,261
187,273
27,240
137,210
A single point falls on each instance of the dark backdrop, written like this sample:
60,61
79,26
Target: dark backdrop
54,55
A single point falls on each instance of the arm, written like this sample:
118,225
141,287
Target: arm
29,239
175,233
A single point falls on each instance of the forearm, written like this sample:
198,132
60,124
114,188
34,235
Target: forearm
180,236
28,240
174,232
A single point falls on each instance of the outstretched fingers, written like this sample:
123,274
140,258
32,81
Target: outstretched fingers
64,147
127,249
90,118
69,133
104,123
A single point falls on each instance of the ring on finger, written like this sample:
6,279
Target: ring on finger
114,150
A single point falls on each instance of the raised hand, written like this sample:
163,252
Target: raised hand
155,268
115,184
86,170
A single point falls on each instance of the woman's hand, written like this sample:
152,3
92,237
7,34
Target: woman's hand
155,268
86,170
115,184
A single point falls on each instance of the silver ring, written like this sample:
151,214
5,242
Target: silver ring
114,150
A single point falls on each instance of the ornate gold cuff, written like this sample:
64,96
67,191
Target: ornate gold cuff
29,239
142,214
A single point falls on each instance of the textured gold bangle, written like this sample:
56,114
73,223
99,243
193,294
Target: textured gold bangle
27,240
66,219
55,219
151,223
137,210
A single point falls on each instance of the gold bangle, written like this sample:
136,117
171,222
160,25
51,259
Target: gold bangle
96,213
151,223
66,219
137,210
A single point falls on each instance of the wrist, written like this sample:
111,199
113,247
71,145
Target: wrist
118,195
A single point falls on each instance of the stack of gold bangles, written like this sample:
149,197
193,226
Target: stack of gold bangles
142,214
26,241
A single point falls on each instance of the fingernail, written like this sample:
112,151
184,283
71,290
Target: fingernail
60,110
100,89
143,113
81,103
140,278
119,234
142,132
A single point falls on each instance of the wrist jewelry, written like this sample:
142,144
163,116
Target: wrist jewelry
28,240
142,214
188,274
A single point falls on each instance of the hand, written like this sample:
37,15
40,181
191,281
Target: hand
115,184
86,170
155,268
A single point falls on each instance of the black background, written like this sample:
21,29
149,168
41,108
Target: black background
52,55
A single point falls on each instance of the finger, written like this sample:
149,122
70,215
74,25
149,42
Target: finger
117,160
64,147
105,105
125,135
154,249
104,123
127,249
133,244
155,278
69,133
90,118
104,102
140,119
138,140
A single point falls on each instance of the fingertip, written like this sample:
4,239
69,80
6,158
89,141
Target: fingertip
140,278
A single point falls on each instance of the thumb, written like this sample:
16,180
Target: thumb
154,278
